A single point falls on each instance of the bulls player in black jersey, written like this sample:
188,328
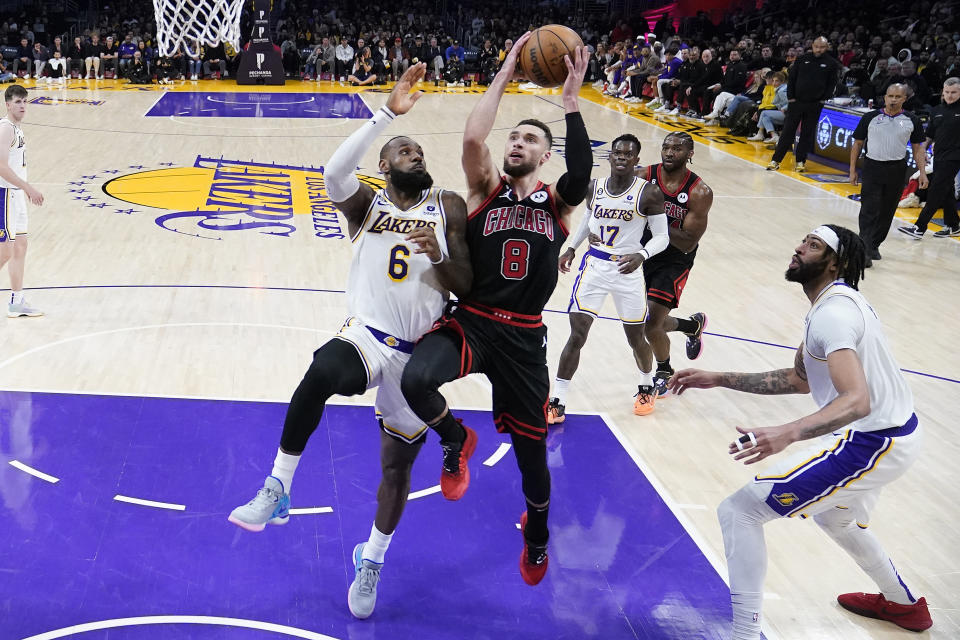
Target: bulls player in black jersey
686,201
515,230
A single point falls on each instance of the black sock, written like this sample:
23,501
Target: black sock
687,326
449,430
536,533
664,366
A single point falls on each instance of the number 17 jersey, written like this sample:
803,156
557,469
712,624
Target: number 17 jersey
515,249
390,287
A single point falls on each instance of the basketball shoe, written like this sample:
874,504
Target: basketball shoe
660,380
913,617
556,412
533,560
694,340
270,505
643,405
455,477
22,309
947,232
912,230
362,596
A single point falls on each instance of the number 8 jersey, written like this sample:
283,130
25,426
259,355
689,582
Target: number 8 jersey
390,287
515,249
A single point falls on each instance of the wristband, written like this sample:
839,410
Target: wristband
442,258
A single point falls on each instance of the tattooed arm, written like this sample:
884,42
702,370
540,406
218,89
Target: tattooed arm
777,382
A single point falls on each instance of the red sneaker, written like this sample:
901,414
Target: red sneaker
455,476
532,571
913,617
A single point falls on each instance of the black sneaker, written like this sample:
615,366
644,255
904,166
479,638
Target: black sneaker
556,412
947,232
660,380
694,340
911,230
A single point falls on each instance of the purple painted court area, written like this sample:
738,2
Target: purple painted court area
203,104
621,565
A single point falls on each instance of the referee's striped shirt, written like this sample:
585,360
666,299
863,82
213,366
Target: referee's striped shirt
886,137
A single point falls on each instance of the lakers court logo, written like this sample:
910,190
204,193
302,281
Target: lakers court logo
217,197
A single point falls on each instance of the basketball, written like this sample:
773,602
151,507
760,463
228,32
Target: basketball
542,56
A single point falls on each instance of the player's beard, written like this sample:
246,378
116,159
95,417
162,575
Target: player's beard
518,171
806,272
410,182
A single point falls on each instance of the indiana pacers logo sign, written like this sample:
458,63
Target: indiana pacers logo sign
217,197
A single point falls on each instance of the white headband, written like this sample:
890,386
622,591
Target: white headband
829,236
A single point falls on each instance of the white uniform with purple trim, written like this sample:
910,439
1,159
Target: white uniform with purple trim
619,223
394,298
13,203
847,469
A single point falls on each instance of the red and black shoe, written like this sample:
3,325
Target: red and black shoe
533,560
455,476
913,617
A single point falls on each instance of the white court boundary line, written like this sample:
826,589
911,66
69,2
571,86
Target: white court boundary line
424,492
150,503
681,517
310,510
56,343
208,620
34,472
498,454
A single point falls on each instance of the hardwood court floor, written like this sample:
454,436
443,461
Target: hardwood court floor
150,292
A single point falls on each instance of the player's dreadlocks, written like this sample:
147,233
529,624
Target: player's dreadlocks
851,255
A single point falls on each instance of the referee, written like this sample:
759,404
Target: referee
885,134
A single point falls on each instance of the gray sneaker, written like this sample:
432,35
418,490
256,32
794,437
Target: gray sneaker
362,597
23,309
270,505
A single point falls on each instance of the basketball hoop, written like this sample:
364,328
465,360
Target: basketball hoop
209,22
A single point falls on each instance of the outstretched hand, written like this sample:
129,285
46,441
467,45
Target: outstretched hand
576,70
401,100
692,379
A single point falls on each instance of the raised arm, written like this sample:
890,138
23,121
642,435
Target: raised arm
345,190
687,237
478,167
571,188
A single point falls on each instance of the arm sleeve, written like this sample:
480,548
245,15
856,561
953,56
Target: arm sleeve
661,235
339,176
582,231
572,186
837,324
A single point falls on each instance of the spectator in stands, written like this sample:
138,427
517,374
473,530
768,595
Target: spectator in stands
194,57
215,57
455,50
40,57
136,70
363,73
855,81
674,92
91,56
813,79
75,56
734,82
58,45
5,75
24,58
507,46
708,74
322,59
670,66
420,51
435,57
57,66
649,66
290,55
766,59
344,59
125,52
108,56
147,55
909,76
771,115
381,58
399,58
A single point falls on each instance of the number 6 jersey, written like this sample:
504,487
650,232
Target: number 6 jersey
515,249
390,287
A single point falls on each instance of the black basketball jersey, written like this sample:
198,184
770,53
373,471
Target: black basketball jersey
675,204
515,249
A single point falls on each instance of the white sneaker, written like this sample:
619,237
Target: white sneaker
22,309
674,111
362,596
757,137
654,104
910,201
270,505
663,108
774,139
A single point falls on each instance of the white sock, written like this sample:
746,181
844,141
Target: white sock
376,547
560,388
283,467
746,615
16,297
646,378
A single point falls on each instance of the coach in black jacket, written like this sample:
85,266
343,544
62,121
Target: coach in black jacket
813,78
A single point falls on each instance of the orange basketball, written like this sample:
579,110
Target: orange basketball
542,55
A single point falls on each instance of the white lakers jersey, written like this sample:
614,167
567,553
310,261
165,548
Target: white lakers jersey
390,287
841,318
17,159
617,219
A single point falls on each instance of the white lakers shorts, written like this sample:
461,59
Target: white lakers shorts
601,276
384,357
841,471
13,214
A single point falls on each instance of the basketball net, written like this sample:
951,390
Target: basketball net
209,22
